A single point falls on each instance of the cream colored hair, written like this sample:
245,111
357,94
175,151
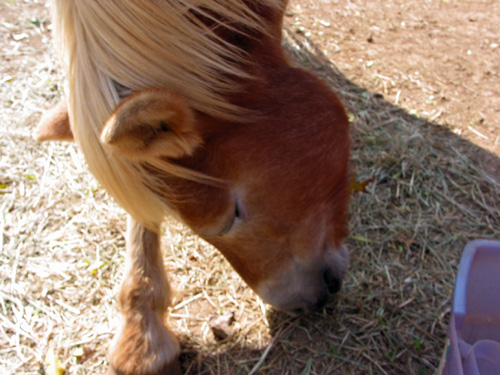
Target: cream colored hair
141,44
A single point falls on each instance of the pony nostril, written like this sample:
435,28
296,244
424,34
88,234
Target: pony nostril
331,281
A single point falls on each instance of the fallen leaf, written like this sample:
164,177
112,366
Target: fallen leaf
220,325
360,186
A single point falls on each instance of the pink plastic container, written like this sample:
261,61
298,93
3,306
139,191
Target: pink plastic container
474,330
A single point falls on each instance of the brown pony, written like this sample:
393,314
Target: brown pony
190,108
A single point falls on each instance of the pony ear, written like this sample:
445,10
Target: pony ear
54,125
150,124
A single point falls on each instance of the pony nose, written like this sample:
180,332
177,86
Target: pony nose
333,283
311,306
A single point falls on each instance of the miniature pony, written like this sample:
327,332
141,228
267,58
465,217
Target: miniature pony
190,108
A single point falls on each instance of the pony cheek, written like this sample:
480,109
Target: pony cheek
209,216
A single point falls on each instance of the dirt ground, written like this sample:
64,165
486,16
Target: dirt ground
437,59
421,81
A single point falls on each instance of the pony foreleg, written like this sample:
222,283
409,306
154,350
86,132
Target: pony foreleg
144,345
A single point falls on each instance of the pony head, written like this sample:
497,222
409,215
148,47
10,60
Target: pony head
274,195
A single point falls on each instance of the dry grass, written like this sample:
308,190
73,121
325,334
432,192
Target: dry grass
62,244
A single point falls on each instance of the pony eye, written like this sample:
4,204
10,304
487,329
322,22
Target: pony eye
164,127
237,213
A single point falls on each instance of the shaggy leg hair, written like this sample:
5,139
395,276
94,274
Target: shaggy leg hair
144,345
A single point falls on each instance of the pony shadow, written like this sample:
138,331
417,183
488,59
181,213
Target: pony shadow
288,335
419,162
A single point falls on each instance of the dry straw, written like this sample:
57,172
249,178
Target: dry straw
63,250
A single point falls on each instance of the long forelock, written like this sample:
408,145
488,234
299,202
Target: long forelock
140,44
106,46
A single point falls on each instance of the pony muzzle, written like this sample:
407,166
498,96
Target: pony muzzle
304,288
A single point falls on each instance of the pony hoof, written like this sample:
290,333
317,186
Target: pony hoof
172,368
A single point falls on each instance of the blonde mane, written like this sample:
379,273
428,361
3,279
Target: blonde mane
140,44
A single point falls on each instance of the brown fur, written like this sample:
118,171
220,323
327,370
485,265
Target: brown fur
284,155
152,124
54,125
144,344
269,189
